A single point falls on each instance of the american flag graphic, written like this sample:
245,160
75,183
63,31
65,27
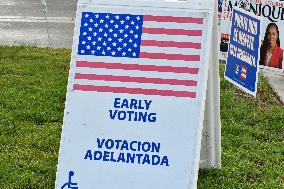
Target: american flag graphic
244,73
139,54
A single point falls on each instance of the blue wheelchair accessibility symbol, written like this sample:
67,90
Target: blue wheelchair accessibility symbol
70,184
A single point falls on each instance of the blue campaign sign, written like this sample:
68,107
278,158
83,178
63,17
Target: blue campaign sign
243,52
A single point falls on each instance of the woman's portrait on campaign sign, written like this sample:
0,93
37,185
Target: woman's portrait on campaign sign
271,54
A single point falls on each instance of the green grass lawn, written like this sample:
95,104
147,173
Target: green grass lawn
32,95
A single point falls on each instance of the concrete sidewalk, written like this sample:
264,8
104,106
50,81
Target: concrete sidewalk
50,23
276,80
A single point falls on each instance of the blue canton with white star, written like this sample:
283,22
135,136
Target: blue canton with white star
105,34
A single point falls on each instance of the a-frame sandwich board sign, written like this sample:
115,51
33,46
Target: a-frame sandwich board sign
136,95
210,154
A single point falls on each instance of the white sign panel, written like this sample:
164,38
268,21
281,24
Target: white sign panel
135,100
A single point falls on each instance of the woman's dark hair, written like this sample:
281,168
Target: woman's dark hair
265,43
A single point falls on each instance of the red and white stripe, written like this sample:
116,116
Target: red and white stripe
169,62
171,38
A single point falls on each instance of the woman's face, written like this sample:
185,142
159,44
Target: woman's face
272,36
